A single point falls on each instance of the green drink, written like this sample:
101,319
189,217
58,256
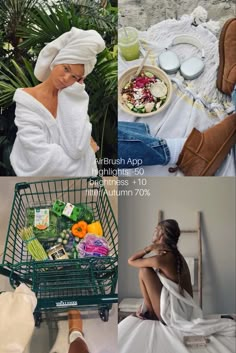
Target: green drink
128,43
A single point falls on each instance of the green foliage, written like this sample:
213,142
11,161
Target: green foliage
25,27
11,79
103,109
49,21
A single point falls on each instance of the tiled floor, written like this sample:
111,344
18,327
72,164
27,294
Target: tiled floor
52,336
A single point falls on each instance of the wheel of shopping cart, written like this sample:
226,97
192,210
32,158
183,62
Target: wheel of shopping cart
37,319
104,314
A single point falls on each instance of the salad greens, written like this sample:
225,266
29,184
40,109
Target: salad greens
145,93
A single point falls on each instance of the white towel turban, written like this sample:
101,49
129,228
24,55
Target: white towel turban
74,47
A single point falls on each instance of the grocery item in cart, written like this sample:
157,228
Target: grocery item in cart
73,212
41,218
48,232
95,228
69,242
79,229
93,245
57,252
33,246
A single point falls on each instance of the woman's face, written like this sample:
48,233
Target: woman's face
65,75
157,235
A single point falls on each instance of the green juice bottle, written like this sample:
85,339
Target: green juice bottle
128,43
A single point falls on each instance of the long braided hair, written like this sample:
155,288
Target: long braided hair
169,228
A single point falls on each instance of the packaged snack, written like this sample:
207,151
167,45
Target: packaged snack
57,252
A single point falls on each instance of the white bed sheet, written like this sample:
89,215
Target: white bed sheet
148,336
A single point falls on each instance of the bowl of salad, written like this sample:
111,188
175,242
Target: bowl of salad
146,94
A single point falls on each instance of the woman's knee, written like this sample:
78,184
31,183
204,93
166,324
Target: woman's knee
145,271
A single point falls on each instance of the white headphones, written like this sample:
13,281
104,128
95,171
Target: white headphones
190,68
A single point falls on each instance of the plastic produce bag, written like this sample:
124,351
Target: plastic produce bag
93,245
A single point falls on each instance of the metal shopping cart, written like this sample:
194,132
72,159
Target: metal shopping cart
85,283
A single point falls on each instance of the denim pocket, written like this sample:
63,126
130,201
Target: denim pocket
130,151
136,144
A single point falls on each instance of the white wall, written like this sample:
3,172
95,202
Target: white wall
181,198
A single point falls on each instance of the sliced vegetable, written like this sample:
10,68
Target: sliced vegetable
79,229
95,228
148,74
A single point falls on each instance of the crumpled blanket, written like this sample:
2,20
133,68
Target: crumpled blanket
183,318
16,319
45,146
183,314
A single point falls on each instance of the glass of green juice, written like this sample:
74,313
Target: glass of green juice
128,43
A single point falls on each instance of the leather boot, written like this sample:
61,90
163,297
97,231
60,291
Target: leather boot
204,152
226,78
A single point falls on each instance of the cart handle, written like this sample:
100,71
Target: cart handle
21,186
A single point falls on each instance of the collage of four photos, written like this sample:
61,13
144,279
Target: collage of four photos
117,176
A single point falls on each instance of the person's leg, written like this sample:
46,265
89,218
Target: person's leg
204,152
151,287
76,338
201,155
149,312
136,145
233,95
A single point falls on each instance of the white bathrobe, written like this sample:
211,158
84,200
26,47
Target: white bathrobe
16,319
46,146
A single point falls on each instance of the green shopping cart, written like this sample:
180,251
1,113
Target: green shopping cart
84,283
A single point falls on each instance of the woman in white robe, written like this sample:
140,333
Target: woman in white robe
54,131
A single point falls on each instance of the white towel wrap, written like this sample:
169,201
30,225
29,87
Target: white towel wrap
74,47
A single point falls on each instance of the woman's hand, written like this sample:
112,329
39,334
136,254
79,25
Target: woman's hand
150,248
81,80
94,145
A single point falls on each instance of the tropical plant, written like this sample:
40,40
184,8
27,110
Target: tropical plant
103,109
49,21
12,14
42,24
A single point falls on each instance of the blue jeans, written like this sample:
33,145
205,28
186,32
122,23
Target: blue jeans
136,146
234,96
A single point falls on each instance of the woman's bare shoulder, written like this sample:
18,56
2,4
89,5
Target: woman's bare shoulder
31,90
